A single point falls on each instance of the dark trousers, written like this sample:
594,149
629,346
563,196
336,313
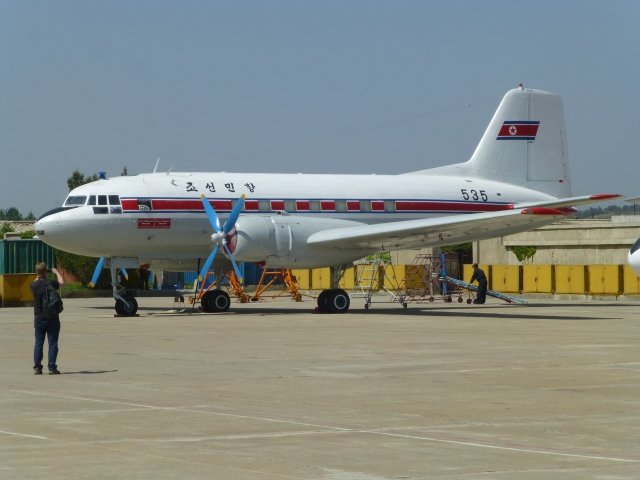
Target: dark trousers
50,329
481,297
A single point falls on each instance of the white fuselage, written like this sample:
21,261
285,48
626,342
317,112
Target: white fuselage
160,216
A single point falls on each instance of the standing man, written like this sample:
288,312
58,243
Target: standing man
478,274
43,326
144,277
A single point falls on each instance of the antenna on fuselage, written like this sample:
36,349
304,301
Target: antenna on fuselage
156,167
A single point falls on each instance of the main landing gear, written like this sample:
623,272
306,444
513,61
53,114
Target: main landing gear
215,301
335,300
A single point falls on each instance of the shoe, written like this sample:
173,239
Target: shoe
55,371
37,370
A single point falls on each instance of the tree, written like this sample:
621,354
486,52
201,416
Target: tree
82,267
461,249
11,213
5,227
28,234
77,178
124,172
524,254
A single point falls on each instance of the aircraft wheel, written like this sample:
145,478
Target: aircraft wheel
215,301
128,308
323,306
338,301
469,301
459,299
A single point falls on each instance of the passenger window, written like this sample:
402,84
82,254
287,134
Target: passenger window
92,200
102,199
114,200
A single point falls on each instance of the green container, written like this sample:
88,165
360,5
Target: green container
21,256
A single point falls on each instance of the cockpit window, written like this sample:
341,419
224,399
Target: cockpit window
102,200
92,200
114,200
75,200
635,246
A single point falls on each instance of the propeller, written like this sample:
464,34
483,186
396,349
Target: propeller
98,271
220,235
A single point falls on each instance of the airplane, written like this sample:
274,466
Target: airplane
633,257
517,179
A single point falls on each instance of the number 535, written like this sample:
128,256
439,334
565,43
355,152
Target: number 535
474,194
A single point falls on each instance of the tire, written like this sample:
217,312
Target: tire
323,306
338,301
215,301
127,309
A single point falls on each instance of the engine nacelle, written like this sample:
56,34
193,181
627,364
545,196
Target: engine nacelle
633,257
281,241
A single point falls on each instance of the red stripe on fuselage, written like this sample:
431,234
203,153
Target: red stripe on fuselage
326,206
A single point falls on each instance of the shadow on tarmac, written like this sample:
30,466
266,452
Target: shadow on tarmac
89,372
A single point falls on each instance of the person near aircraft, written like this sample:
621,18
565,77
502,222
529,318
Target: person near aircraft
43,326
144,277
481,278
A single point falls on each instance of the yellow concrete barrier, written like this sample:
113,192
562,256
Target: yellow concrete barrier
631,282
303,277
409,277
505,278
570,279
604,279
321,278
537,278
347,281
14,288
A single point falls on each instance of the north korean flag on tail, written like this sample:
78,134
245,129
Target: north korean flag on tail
518,130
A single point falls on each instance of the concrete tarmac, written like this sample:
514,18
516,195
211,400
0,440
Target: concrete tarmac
549,390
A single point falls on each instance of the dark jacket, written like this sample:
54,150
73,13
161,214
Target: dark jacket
478,274
38,288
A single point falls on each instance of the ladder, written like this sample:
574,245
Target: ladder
368,278
473,288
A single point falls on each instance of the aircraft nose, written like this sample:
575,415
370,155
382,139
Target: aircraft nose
49,226
633,257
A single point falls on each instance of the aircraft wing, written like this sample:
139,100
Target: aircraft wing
450,230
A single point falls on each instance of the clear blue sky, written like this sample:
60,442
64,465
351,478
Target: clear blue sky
303,86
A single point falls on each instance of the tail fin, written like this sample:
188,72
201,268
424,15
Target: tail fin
525,144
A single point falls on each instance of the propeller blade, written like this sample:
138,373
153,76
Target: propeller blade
97,272
208,262
233,262
233,216
211,214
